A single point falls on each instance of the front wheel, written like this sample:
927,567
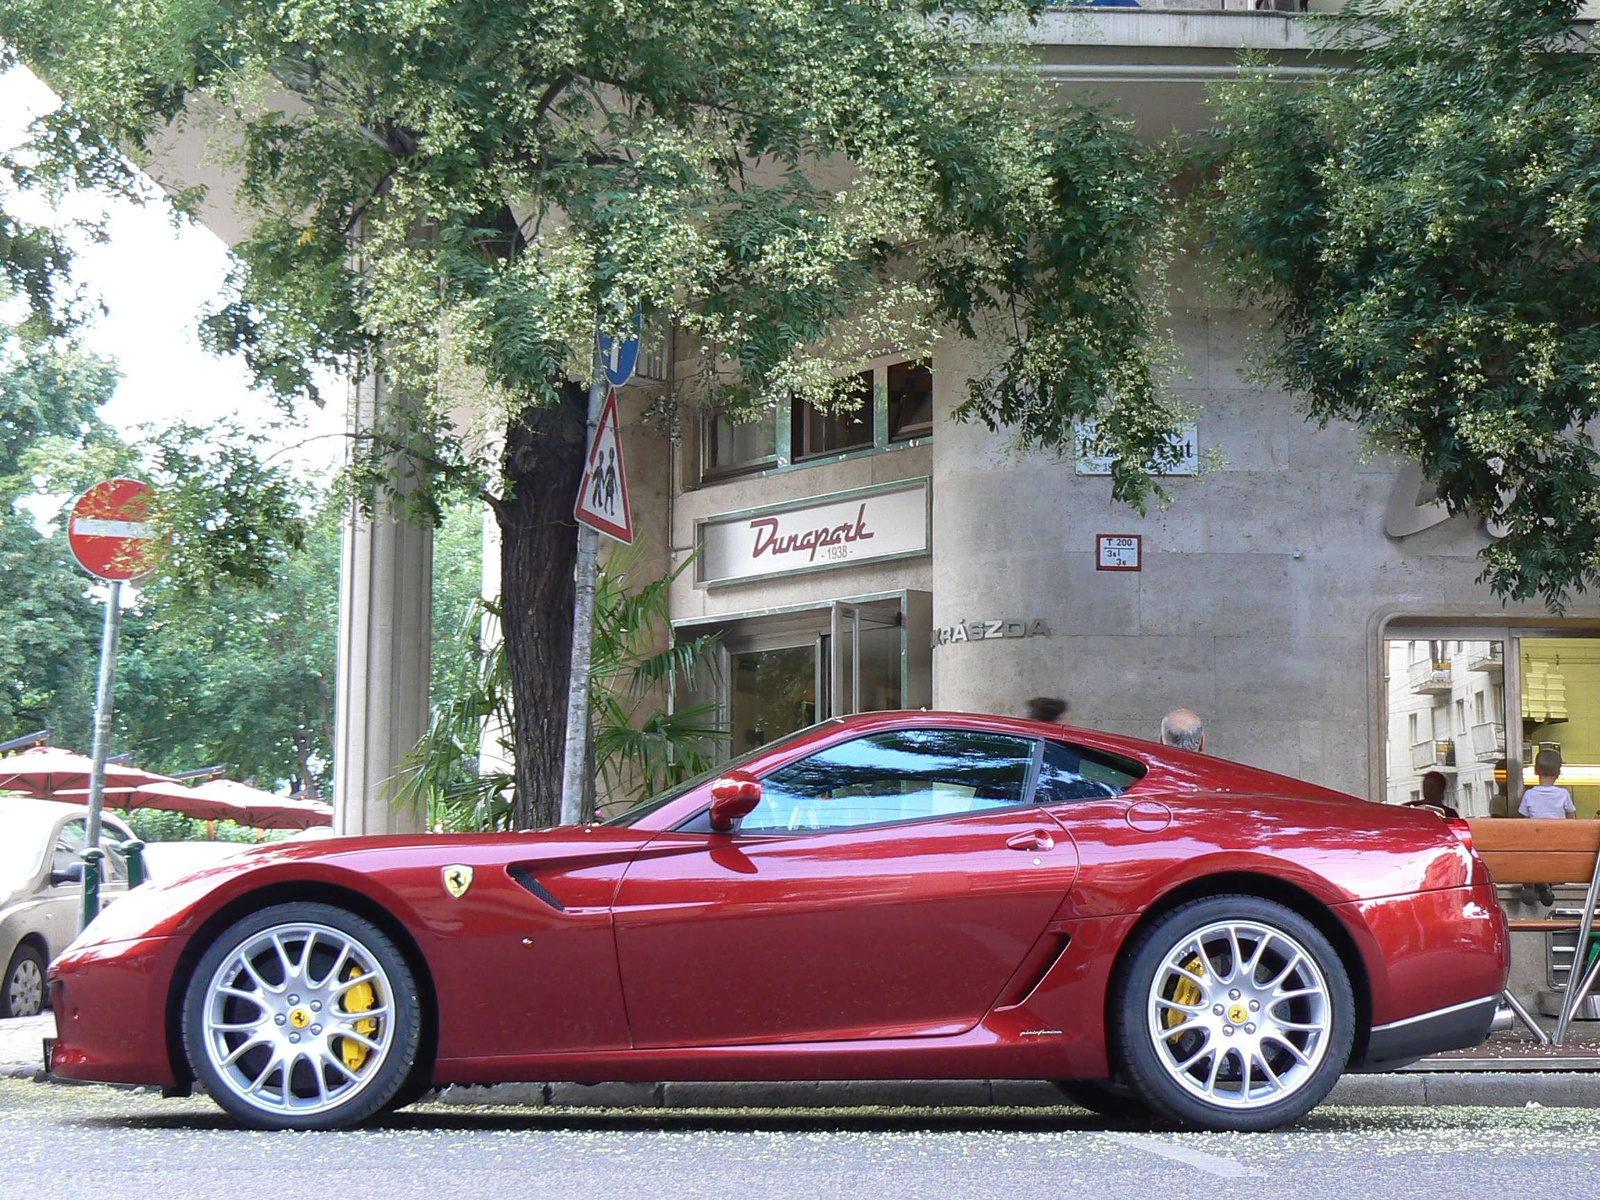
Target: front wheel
1233,1013
22,993
302,1016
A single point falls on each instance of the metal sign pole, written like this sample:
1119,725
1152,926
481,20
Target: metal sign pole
577,758
102,741
102,707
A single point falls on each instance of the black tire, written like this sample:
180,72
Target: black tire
1135,1046
1104,1097
380,1089
410,1094
22,992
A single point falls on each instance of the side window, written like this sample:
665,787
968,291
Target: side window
69,845
1076,773
899,775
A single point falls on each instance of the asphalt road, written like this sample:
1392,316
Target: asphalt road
60,1140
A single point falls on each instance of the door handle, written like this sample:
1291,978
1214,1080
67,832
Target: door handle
1033,840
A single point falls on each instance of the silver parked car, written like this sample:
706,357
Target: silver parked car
41,890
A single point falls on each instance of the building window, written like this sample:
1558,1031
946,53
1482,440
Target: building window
1411,721
1478,714
849,427
734,446
889,405
910,401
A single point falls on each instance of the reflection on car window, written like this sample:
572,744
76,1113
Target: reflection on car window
899,775
661,799
69,845
1076,773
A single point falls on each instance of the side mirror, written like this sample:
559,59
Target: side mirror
732,798
71,873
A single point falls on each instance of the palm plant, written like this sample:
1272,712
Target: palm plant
638,746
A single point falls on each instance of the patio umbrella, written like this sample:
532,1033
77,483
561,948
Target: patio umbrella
46,771
168,795
267,811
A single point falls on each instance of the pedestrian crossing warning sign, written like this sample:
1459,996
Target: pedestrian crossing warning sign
603,496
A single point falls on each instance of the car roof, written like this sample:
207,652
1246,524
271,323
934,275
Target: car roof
57,808
1167,766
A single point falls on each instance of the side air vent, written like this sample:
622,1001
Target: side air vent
524,879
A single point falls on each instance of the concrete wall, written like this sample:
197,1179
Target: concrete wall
1262,584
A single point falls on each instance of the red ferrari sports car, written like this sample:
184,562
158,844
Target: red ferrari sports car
896,895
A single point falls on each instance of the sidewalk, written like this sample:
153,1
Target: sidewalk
1526,1077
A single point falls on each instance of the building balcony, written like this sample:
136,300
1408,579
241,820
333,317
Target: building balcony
1488,742
1430,678
1434,756
1493,663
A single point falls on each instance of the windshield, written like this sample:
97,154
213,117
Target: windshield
28,834
644,808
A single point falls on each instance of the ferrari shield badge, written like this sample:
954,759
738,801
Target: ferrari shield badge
457,880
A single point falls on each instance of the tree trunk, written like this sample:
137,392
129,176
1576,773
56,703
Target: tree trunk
538,552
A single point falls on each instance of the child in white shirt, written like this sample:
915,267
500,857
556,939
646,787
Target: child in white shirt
1546,802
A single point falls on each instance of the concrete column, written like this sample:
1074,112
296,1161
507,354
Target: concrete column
385,626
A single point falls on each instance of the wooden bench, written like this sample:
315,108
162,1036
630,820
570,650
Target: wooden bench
1519,850
1523,851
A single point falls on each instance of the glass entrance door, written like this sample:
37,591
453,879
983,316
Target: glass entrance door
771,692
864,648
781,670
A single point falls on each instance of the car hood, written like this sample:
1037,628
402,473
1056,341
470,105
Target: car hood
174,907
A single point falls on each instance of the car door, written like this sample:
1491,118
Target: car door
887,885
60,903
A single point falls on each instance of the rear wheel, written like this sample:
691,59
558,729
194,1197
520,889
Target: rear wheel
1232,1013
302,1016
22,992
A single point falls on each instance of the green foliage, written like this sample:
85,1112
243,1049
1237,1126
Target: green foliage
795,184
236,673
157,825
1422,229
50,394
639,747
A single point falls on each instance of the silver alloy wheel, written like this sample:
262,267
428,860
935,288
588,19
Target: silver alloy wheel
298,1019
25,988
1239,1014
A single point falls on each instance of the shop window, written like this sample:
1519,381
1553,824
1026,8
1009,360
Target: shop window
848,427
910,401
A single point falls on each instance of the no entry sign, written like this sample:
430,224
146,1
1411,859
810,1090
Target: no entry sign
110,532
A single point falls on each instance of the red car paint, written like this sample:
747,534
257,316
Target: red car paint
970,946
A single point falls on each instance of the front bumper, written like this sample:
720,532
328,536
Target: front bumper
110,1003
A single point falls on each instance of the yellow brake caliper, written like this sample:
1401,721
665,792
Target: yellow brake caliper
358,999
1185,991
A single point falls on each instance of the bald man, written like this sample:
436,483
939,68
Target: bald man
1181,728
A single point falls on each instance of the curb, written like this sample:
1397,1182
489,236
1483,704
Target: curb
1483,1089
